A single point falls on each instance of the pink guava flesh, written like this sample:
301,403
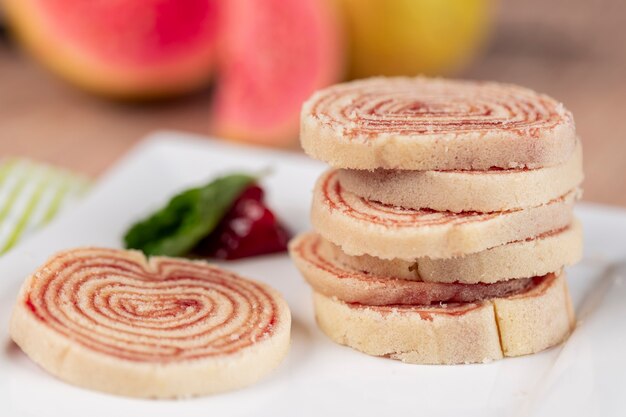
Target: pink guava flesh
134,32
274,54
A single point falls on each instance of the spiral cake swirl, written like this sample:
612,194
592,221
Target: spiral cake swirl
529,321
362,226
166,313
329,276
434,124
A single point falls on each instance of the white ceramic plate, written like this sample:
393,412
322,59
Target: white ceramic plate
319,378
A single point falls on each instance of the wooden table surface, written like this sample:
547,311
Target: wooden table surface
44,119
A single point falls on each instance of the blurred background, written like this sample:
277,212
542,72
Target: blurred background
82,81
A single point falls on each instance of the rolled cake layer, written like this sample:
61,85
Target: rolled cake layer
319,260
360,226
333,279
435,124
110,320
535,319
457,191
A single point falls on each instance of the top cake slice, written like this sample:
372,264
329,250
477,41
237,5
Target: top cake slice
435,124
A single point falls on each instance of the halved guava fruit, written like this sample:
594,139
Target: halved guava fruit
273,55
122,48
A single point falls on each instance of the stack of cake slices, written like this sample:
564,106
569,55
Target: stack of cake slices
443,227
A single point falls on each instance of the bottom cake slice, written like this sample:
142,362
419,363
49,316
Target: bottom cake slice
529,321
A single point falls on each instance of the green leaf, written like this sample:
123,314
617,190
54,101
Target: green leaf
189,217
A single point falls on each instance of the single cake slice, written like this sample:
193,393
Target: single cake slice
538,317
372,281
113,321
333,279
435,124
320,260
362,226
484,191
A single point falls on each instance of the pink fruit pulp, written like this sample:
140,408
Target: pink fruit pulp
274,54
123,49
137,32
